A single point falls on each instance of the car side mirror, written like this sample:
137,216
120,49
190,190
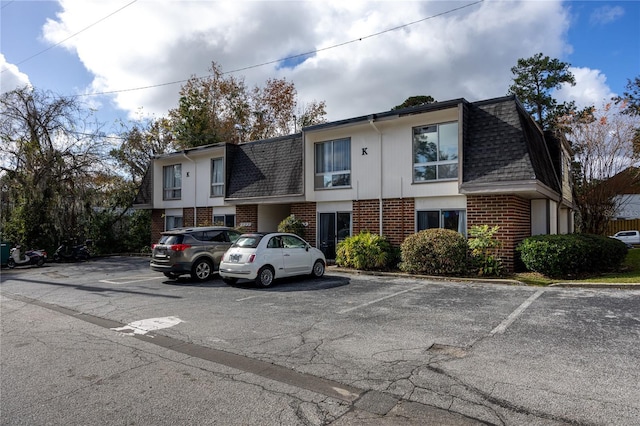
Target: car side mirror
307,247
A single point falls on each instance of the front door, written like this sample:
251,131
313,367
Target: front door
333,228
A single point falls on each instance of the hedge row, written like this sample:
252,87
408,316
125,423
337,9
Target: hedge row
571,255
446,252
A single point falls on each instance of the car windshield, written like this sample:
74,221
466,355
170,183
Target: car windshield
250,241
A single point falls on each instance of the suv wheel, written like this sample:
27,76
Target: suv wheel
202,270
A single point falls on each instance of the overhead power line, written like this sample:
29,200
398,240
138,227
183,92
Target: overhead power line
72,35
275,61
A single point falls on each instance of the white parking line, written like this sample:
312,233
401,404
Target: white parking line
132,279
515,314
344,311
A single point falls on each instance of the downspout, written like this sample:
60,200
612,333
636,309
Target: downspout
195,189
380,195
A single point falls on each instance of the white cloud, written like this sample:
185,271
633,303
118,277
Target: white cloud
591,88
467,53
11,77
606,15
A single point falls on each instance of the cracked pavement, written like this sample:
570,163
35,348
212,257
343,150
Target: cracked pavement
342,350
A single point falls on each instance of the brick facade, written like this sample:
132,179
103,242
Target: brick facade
187,216
306,212
204,216
511,213
365,216
247,214
157,224
398,219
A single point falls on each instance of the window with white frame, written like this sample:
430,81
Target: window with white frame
172,182
435,152
172,222
224,220
447,219
217,177
333,164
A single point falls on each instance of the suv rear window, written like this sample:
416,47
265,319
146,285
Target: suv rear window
171,239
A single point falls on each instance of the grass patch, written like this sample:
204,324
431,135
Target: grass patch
629,273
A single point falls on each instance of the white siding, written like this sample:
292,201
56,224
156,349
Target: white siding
539,217
386,170
196,180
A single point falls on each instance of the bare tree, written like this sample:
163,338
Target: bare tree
51,155
603,145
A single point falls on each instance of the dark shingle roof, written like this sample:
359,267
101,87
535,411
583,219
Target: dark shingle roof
503,144
265,168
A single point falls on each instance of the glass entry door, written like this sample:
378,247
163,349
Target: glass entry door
333,228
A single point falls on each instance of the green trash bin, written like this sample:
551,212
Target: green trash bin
5,248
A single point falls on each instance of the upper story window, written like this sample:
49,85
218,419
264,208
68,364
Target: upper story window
333,164
172,182
217,177
435,152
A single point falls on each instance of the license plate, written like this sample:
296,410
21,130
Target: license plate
234,258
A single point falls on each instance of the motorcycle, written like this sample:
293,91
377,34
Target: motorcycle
30,257
71,253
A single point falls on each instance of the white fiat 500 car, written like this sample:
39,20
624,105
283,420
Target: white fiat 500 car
264,257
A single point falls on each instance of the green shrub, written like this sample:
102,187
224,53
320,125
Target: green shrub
571,255
292,225
434,252
366,252
484,259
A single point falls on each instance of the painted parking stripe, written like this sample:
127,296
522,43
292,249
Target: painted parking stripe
515,314
344,311
131,280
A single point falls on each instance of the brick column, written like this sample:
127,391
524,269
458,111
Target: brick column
157,224
204,216
365,216
511,213
306,212
398,219
187,217
247,214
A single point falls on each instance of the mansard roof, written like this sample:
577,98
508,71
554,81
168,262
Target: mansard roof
266,168
502,144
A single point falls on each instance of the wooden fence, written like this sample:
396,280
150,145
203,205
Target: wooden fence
622,225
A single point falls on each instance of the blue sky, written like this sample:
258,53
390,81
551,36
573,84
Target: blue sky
113,46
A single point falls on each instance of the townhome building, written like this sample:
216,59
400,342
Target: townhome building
451,164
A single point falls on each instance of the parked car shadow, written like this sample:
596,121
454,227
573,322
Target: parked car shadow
291,284
187,281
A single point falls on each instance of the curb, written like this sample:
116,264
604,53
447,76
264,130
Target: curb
499,281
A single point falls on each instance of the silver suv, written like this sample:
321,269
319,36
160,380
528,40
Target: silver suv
195,251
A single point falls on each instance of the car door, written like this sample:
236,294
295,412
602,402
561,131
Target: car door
297,259
217,244
273,256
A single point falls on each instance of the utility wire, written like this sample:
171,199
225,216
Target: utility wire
7,3
275,61
71,36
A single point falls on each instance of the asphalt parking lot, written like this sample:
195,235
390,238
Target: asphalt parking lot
376,347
